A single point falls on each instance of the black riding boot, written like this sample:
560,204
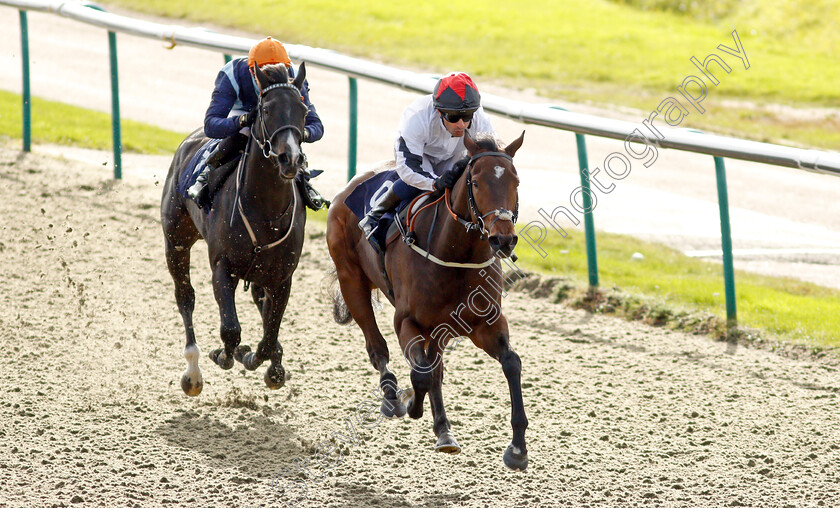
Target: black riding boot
224,152
370,222
311,197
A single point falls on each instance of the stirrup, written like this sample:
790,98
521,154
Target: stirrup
311,197
368,225
199,186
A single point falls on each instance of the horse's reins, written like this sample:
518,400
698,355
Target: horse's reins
292,203
470,225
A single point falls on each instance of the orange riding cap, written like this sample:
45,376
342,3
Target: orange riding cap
268,51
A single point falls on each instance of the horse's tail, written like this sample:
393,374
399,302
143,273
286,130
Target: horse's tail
341,313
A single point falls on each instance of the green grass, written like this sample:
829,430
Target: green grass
797,311
54,122
587,50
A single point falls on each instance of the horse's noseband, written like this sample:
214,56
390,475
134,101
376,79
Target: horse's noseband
266,141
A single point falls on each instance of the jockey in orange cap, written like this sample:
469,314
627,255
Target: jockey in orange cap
229,115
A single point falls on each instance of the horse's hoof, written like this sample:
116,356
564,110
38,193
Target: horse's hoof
405,396
240,351
190,387
446,443
275,377
514,459
221,358
392,408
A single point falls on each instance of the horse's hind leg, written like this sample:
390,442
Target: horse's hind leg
355,289
178,261
413,342
446,440
224,287
258,294
273,306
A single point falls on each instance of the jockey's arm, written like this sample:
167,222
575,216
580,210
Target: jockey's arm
413,167
314,127
217,124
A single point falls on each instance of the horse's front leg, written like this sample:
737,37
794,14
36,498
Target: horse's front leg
495,341
273,306
224,288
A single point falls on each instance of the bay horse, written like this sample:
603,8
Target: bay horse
254,230
458,294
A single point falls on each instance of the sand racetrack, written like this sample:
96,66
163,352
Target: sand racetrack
92,413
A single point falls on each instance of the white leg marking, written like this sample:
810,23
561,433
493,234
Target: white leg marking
192,354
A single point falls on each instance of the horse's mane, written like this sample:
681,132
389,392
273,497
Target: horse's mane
486,142
276,73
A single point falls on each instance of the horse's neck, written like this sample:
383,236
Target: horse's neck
262,192
451,241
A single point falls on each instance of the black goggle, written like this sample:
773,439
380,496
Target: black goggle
457,116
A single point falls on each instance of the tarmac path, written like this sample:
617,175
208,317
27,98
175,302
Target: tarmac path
784,221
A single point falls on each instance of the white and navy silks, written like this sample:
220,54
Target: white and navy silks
236,93
425,150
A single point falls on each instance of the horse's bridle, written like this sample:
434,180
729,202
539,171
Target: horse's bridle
266,141
501,213
292,203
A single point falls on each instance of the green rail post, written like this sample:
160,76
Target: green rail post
228,58
354,121
726,243
115,99
115,106
27,98
588,221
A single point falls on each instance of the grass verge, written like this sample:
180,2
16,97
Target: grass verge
597,51
55,122
667,287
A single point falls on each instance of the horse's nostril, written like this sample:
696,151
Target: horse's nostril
499,242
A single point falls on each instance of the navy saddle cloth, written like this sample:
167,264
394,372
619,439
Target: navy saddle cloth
195,166
363,197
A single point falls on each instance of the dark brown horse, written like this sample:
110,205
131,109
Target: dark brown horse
254,230
458,294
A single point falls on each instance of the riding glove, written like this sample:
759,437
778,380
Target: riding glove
446,181
246,120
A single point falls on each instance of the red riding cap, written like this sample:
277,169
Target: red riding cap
456,92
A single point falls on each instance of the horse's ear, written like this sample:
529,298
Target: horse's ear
469,144
515,144
262,78
301,75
